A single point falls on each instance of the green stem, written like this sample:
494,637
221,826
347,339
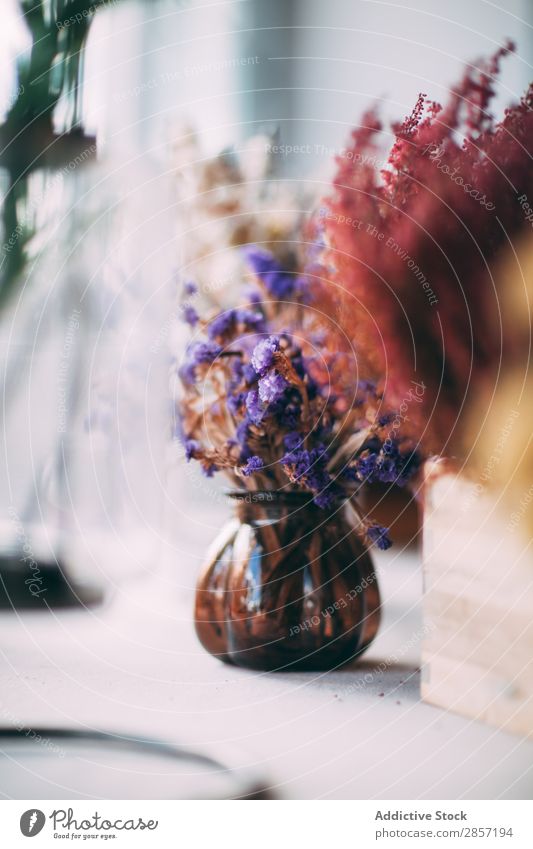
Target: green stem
59,30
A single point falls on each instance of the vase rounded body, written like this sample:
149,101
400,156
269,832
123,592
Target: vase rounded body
287,586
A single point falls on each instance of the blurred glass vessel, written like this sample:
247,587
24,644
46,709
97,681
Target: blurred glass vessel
83,375
84,379
287,587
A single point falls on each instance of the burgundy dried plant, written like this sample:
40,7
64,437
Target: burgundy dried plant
410,246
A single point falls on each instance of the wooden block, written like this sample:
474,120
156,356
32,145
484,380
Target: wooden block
478,606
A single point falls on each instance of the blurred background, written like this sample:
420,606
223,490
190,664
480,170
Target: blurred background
299,68
302,69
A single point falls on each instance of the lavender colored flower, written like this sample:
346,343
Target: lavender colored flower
287,413
254,464
280,283
254,407
226,323
283,285
379,536
388,469
250,319
271,387
243,432
261,262
249,374
190,288
318,479
209,470
235,402
237,373
366,466
324,499
187,373
189,314
293,441
253,296
309,469
222,325
192,446
368,386
204,353
200,353
263,354
387,464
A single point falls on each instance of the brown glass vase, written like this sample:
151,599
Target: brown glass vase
287,586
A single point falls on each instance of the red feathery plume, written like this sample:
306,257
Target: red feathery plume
411,245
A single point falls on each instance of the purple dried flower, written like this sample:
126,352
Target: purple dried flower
253,296
242,433
283,285
235,402
200,353
287,414
261,262
204,353
387,464
254,407
250,319
271,387
190,288
221,325
292,441
209,470
308,468
366,466
249,374
226,323
368,386
189,314
237,373
263,354
187,373
324,499
389,469
254,464
379,536
280,283
192,446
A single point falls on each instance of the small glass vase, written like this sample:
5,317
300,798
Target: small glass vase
287,586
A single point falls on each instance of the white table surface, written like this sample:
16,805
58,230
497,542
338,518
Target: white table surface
134,666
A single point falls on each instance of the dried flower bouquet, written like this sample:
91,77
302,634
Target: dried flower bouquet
272,399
